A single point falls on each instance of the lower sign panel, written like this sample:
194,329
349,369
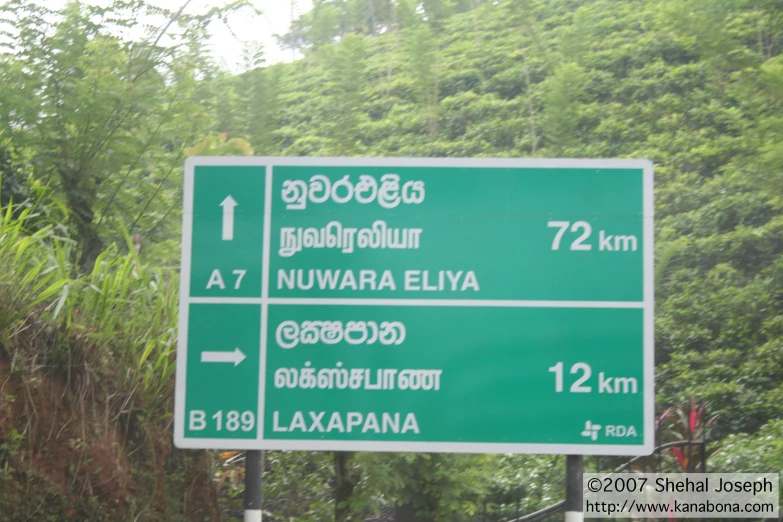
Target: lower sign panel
489,375
440,378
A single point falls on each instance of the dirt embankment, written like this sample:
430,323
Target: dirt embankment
73,448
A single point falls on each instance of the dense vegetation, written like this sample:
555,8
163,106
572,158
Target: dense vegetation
94,129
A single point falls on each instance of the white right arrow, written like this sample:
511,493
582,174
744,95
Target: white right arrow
228,205
235,357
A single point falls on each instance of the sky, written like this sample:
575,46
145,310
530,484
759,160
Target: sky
275,19
227,47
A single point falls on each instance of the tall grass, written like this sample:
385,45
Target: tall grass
131,310
33,266
125,311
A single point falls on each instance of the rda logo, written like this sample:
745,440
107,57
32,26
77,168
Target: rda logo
591,430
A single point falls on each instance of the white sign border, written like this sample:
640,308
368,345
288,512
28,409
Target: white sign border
259,443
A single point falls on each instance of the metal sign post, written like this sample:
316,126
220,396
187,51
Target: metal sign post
254,469
574,489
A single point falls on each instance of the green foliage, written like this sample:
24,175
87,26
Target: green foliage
694,86
105,123
129,309
760,453
13,180
439,487
299,484
421,54
33,266
94,113
345,77
521,484
561,106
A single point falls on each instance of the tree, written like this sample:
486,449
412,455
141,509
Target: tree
521,12
421,55
561,106
258,89
345,67
13,186
96,109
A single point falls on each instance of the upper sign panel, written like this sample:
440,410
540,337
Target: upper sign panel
458,233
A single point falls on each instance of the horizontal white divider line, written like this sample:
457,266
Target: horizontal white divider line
495,303
226,300
489,303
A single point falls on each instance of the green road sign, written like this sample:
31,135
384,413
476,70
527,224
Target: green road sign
459,305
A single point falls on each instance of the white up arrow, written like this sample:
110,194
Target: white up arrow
228,205
235,357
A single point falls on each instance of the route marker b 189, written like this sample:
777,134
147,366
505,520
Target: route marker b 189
456,305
